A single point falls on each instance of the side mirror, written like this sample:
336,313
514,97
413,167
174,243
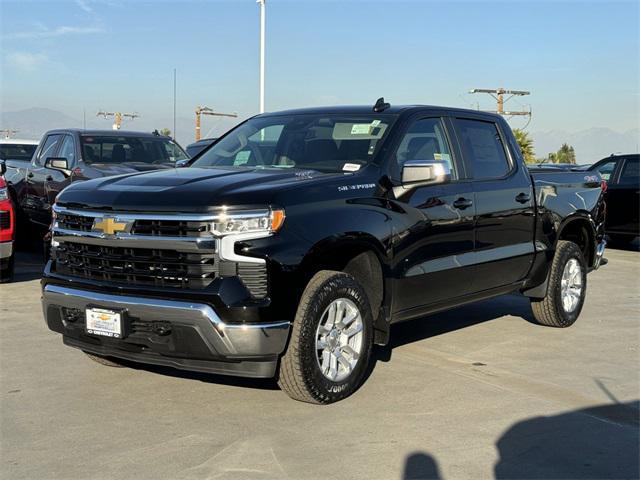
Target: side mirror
57,163
3,167
425,172
183,163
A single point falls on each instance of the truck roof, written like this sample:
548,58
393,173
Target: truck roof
106,133
368,110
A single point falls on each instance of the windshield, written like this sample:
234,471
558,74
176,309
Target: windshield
12,151
128,149
330,143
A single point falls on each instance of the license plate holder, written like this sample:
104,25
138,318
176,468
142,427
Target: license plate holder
104,322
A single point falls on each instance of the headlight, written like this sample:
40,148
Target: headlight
249,221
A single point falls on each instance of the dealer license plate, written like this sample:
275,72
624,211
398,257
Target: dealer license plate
104,322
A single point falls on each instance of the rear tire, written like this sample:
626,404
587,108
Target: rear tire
108,361
566,290
328,354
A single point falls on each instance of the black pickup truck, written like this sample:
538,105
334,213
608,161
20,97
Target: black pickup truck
72,154
290,246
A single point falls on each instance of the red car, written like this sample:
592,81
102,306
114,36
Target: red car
7,231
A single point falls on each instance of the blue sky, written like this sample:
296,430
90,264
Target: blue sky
578,58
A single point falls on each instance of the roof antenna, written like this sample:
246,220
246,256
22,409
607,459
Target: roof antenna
380,105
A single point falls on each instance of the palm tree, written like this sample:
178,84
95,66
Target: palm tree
526,145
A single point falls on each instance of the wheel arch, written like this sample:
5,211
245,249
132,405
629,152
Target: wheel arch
579,229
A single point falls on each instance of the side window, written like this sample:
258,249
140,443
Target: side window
630,172
48,149
425,140
68,150
483,148
606,169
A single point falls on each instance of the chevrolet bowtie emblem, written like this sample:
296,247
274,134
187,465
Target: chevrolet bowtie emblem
109,226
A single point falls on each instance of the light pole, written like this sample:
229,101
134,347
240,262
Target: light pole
262,14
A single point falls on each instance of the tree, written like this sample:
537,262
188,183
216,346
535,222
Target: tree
166,132
526,145
566,154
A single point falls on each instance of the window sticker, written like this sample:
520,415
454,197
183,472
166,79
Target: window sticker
375,123
360,129
437,156
350,167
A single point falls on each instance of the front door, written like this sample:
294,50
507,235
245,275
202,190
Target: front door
36,202
431,249
623,198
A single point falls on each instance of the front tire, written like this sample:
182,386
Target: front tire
566,290
331,340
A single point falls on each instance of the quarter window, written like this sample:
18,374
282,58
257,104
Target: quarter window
606,170
483,149
425,140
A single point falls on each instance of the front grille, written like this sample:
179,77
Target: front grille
5,220
154,267
79,223
170,228
137,266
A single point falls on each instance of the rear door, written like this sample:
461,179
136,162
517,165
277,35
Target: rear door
431,256
623,198
503,196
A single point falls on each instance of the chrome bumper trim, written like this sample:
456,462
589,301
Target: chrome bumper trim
223,339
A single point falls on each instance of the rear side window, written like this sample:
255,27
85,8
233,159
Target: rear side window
483,149
48,149
630,174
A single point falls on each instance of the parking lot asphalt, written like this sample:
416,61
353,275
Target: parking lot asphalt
477,392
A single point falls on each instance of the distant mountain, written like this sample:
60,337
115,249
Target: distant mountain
590,145
33,122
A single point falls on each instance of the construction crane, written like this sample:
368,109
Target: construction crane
117,117
7,132
209,111
498,94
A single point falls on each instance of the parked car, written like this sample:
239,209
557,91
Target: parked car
196,147
291,245
622,174
68,155
17,149
7,229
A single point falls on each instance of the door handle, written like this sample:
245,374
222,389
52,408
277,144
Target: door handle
462,203
523,198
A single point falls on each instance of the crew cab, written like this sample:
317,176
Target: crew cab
289,247
69,155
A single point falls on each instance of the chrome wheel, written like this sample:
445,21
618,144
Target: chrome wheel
339,339
571,285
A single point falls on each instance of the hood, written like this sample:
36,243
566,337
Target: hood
187,189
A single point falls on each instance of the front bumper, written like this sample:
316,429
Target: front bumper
181,334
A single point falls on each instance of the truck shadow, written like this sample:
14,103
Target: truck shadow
451,320
590,443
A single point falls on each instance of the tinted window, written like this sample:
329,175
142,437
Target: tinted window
14,151
128,149
332,143
49,148
68,150
606,169
630,173
425,140
483,149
